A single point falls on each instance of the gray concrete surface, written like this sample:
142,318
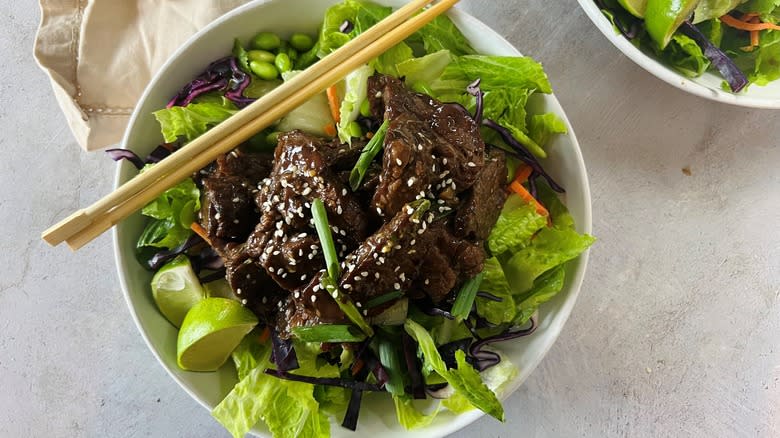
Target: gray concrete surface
676,333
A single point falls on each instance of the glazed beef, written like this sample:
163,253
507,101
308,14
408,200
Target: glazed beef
417,224
228,211
430,148
483,202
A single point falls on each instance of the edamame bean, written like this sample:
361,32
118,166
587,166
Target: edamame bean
301,42
264,70
283,63
365,108
354,129
266,41
260,55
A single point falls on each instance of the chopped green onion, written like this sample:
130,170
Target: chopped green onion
465,299
390,358
346,305
328,333
326,238
382,299
370,151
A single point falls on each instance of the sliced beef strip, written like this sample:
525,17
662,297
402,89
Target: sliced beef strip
284,243
421,126
251,283
483,202
228,211
310,305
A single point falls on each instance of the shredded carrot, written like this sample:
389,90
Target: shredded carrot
754,38
168,146
333,103
357,366
200,231
330,129
747,16
523,173
265,335
520,190
736,23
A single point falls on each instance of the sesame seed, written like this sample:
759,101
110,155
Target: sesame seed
376,275
279,233
343,233
284,275
279,304
399,162
292,262
378,94
276,253
471,164
347,286
410,181
217,216
358,304
297,295
303,277
427,281
244,301
419,147
397,247
364,273
402,276
235,221
396,286
238,291
271,269
379,211
236,200
265,300
343,192
444,161
412,242
409,210
397,268
381,260
421,230
316,287
314,298
306,191
338,209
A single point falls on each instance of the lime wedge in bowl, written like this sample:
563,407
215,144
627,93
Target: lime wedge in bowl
212,329
664,17
636,8
176,288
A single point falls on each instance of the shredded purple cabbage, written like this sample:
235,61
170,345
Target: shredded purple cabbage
162,257
489,296
447,351
417,383
486,358
353,410
727,68
209,259
283,353
522,153
474,90
326,381
629,30
126,154
223,75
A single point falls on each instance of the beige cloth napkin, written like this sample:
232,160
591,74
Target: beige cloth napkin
100,54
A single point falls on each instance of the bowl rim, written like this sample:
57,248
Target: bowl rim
667,74
574,283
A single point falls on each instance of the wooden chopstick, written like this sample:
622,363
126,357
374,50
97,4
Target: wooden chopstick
84,225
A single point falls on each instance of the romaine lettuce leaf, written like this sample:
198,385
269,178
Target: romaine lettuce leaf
464,379
248,354
685,55
541,127
311,117
442,34
173,212
288,408
409,416
514,228
496,72
386,62
361,14
193,120
496,379
545,287
494,282
767,63
426,69
356,91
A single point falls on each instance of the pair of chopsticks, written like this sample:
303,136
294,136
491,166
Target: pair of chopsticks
86,224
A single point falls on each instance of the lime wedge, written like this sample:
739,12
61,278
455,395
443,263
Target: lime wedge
212,329
176,288
219,289
663,17
634,7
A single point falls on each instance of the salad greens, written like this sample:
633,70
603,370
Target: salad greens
737,38
442,346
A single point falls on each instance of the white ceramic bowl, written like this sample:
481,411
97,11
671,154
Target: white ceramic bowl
707,85
286,16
